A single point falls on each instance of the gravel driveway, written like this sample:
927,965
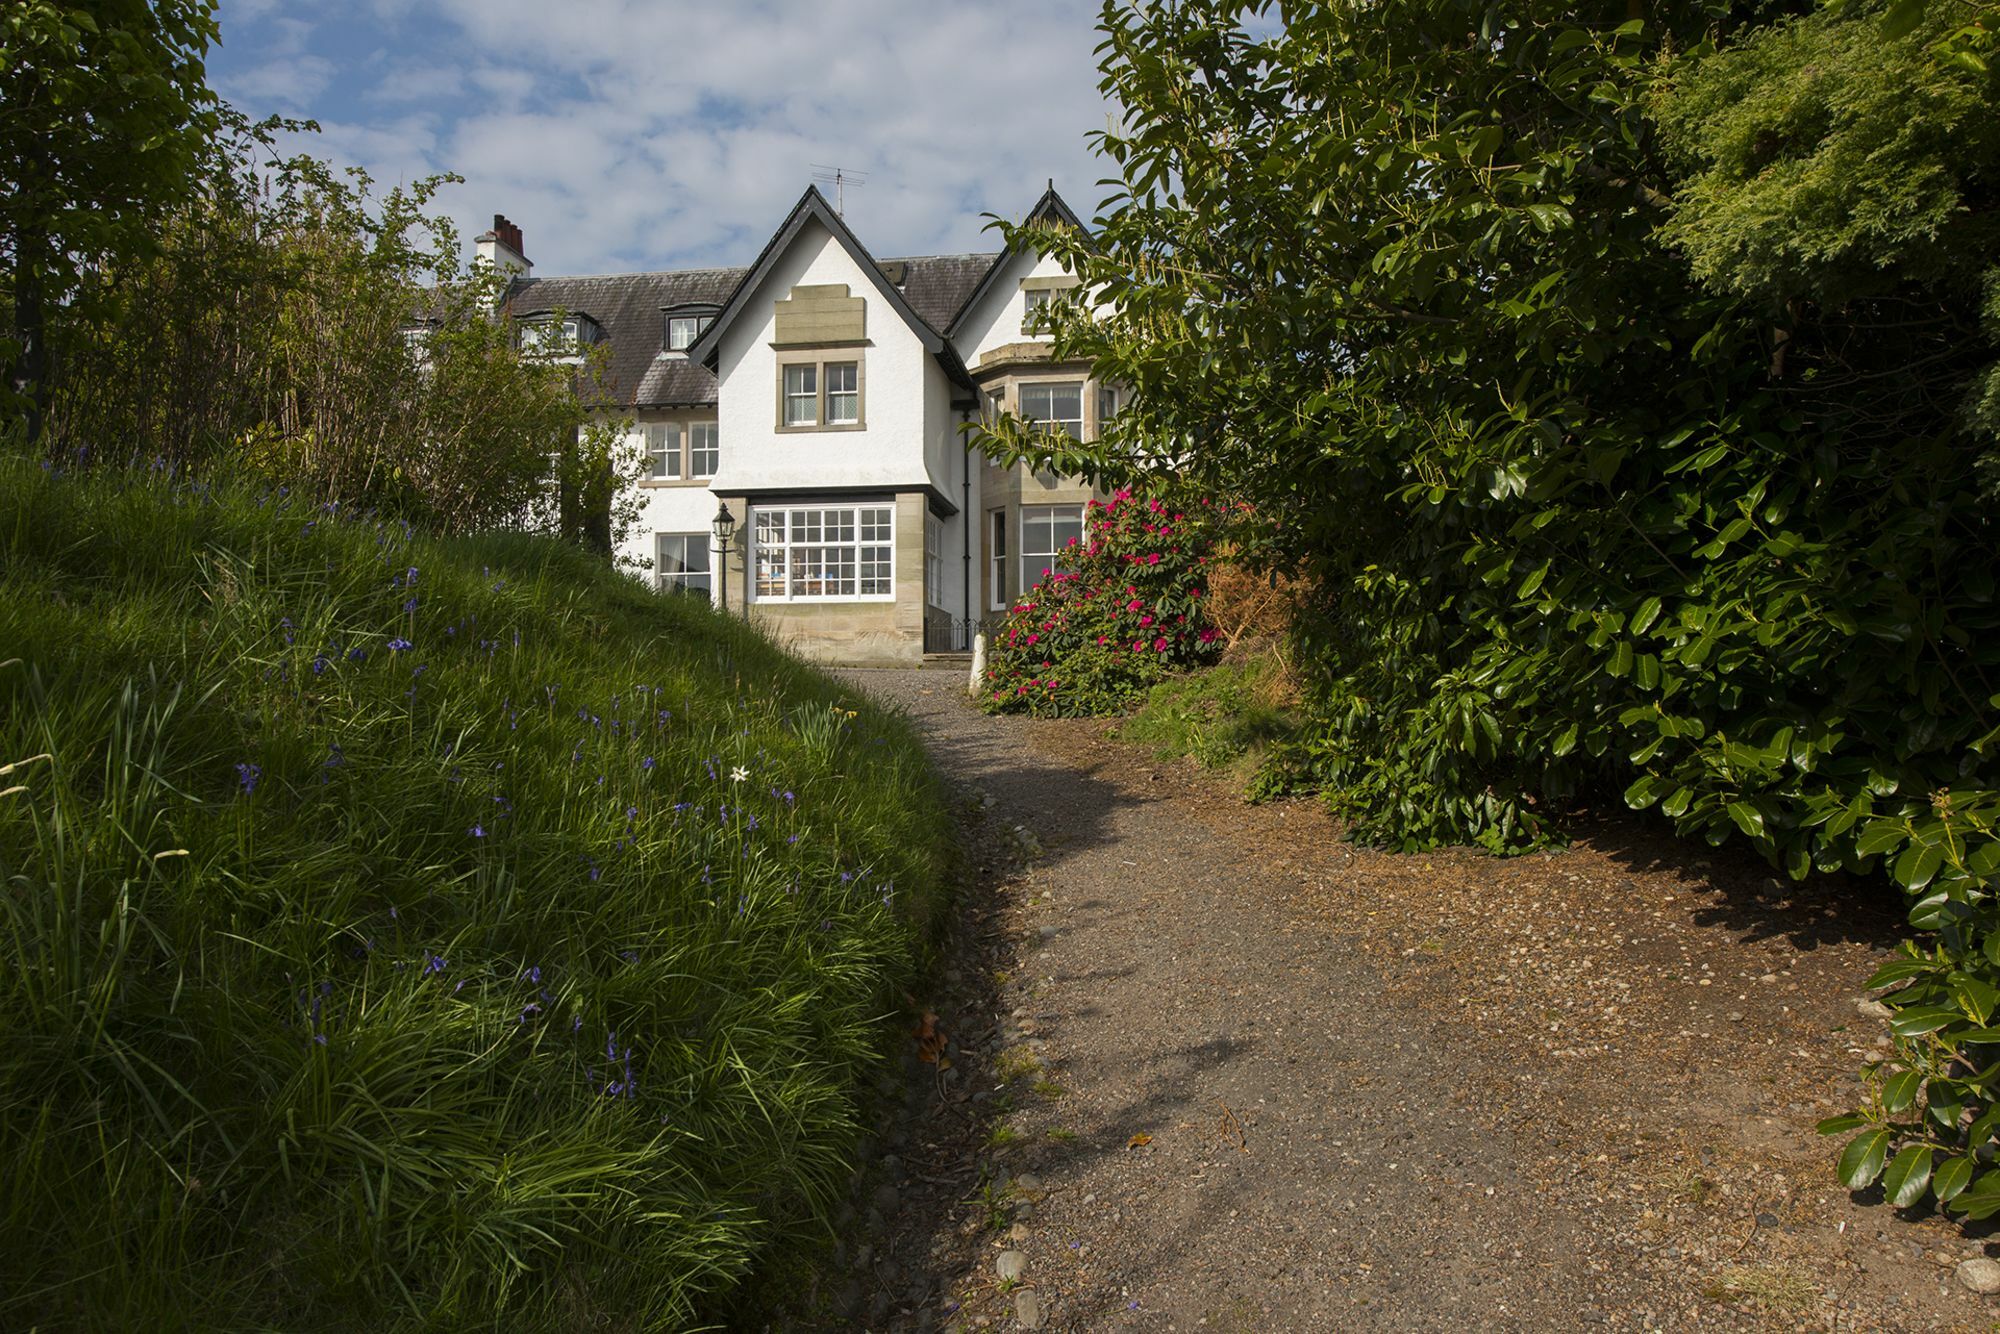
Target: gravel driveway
1183,1095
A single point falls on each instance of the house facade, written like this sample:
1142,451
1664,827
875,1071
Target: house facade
827,400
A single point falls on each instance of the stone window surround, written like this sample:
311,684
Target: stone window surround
847,505
1009,387
822,357
1053,287
686,447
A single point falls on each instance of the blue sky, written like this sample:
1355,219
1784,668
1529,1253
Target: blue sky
645,134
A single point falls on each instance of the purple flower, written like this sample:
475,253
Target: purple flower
477,831
410,604
356,654
434,964
647,763
320,663
247,775
398,644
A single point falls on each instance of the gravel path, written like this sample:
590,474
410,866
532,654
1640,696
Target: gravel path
1186,1092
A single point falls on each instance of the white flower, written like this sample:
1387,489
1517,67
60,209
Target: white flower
738,774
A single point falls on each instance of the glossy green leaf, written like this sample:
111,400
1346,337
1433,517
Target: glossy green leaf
1861,1162
1908,1175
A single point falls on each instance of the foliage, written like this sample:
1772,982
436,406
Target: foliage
1091,639
291,322
1626,434
1227,716
415,932
103,109
1841,182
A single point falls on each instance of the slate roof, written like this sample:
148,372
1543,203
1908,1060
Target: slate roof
630,308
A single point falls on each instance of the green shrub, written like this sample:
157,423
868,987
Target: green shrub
1225,716
1092,639
399,931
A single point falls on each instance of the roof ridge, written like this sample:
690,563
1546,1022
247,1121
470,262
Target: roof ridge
634,273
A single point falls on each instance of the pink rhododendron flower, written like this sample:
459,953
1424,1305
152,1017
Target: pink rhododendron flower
1160,645
1153,558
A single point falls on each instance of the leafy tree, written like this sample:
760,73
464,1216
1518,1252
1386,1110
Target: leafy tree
104,109
290,321
1619,379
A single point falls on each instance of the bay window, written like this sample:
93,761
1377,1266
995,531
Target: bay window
1057,404
823,553
1051,538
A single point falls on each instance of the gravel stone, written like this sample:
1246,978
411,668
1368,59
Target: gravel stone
1982,1275
1028,1309
1011,1265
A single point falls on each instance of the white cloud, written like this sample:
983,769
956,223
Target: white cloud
658,133
286,83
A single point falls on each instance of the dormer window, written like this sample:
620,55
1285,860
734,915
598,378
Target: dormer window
684,327
567,337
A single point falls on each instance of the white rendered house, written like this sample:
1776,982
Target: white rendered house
821,397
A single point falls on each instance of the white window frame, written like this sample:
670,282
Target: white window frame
663,451
684,581
996,561
1049,387
1107,406
806,396
1035,307
852,393
878,551
934,560
693,326
1046,559
700,454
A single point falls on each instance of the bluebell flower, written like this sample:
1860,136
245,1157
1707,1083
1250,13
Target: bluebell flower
646,764
320,663
247,775
356,654
398,644
477,831
434,964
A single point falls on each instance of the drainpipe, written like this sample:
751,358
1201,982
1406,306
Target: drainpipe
965,509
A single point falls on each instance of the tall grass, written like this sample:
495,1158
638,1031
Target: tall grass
400,931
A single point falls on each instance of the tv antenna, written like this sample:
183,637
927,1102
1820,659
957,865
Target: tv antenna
839,178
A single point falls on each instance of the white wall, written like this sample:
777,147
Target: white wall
686,508
889,453
996,320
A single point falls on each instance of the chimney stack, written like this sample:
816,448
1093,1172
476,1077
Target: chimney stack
503,249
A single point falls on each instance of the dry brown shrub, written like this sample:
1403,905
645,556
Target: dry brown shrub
1253,610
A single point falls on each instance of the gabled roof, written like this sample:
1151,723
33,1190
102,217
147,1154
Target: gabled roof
812,207
1049,208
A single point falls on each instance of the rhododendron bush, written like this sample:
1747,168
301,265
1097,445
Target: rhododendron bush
1128,613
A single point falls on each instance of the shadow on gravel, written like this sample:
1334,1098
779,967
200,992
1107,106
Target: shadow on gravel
1747,895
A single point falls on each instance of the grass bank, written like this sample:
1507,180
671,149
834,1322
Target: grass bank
396,931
